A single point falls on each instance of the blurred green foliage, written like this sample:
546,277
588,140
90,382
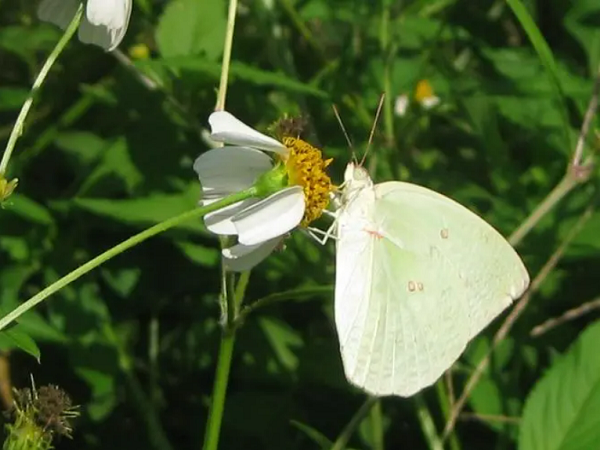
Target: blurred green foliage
108,150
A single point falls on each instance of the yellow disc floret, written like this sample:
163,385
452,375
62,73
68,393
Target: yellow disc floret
306,167
423,91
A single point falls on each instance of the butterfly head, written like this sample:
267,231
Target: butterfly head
356,178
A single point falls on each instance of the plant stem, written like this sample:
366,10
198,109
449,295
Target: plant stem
215,417
347,432
294,294
565,186
444,398
227,304
376,418
217,407
222,95
120,248
18,128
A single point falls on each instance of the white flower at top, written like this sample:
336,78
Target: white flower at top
259,224
104,22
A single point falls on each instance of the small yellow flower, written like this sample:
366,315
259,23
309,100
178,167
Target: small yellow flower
7,188
423,95
139,51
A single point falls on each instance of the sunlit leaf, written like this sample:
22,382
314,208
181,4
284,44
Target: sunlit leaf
562,411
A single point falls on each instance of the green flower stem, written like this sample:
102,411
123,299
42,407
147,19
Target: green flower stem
227,303
18,128
293,294
120,248
215,415
217,407
226,55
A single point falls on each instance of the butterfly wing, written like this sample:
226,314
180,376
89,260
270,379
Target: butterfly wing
420,276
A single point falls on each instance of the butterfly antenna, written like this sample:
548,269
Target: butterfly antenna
379,107
339,119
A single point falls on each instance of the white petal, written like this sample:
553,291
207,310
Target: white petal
105,23
271,217
226,128
223,171
58,12
430,102
401,105
219,222
244,257
110,13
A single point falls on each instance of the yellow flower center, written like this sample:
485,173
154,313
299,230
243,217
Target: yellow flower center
423,91
306,167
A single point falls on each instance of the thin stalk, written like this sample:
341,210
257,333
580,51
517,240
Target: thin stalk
239,290
346,434
217,407
565,186
446,407
227,303
389,51
301,27
427,424
294,294
222,95
120,248
18,128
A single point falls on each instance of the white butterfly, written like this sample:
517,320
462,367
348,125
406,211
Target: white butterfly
418,276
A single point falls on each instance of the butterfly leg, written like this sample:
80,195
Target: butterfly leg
321,236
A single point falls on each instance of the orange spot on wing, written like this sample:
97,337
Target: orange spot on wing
374,233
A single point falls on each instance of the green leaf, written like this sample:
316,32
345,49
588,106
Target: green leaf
238,71
148,210
563,410
315,435
102,385
122,281
15,337
191,27
579,21
84,145
199,254
30,210
284,340
546,57
12,98
116,161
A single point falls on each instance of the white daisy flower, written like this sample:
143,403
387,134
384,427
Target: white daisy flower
104,22
259,224
423,95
